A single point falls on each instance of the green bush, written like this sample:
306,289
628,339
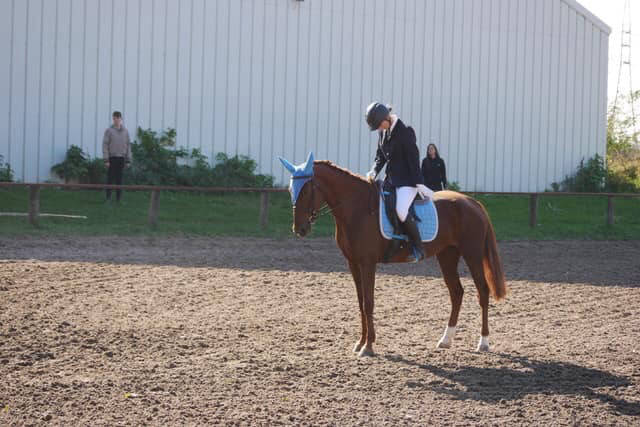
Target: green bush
238,171
623,158
590,177
623,146
6,173
196,172
156,161
96,171
74,165
79,166
623,174
453,186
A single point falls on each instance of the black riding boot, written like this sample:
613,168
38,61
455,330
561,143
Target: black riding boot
411,228
393,247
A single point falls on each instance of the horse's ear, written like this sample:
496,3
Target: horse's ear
288,166
309,165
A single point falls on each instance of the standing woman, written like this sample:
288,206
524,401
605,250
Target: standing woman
433,170
398,150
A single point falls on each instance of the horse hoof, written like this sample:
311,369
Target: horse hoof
443,344
447,338
366,351
357,347
483,345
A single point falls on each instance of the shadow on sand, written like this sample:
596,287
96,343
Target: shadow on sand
543,262
523,376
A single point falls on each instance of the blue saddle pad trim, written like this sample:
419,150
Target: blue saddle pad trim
428,224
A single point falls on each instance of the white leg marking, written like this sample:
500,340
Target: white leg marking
483,345
447,338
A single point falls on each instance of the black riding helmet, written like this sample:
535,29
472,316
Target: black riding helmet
376,114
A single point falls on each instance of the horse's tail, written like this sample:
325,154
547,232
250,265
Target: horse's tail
492,266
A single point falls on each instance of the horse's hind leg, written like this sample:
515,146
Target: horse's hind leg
474,262
448,260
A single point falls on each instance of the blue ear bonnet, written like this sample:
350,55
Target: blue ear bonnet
300,175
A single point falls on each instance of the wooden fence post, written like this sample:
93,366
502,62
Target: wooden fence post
610,217
34,204
153,208
264,209
533,210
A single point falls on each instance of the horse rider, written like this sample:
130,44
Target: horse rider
398,150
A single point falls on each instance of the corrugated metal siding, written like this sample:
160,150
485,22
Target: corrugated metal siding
512,91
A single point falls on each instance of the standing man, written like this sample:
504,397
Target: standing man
116,152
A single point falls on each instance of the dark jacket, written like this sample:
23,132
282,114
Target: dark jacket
434,173
400,154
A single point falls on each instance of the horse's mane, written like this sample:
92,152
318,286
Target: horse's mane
340,170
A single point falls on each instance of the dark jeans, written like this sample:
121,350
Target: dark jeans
114,175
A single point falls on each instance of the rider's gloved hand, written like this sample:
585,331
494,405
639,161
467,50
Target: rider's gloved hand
371,175
424,191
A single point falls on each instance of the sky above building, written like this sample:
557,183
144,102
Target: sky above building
612,13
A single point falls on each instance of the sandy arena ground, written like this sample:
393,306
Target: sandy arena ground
105,331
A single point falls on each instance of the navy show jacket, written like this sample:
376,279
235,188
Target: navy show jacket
400,154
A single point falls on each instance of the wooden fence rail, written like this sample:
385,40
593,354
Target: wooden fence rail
34,196
533,201
263,219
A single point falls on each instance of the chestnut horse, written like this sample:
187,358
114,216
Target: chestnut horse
464,230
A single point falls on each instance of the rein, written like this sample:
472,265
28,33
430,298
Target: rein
324,209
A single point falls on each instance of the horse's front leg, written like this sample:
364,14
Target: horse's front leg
368,279
355,272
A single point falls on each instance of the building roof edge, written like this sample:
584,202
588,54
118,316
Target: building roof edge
573,4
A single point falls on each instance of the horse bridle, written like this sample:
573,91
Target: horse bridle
314,213
324,209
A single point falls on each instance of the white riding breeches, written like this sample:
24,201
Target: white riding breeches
404,198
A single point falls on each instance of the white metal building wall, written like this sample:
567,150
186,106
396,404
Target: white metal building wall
512,91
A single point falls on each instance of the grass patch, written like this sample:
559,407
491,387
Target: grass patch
206,214
563,217
559,217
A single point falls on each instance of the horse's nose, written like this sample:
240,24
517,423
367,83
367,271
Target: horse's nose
303,230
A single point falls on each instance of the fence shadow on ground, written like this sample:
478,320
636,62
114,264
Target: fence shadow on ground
582,262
